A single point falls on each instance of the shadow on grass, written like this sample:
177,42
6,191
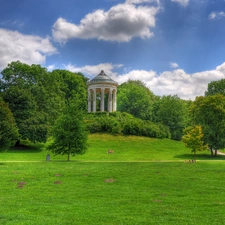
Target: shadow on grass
27,147
64,161
199,157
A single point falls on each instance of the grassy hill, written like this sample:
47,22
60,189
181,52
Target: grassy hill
126,149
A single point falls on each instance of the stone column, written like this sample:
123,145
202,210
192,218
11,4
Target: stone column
89,100
114,101
94,100
110,100
102,99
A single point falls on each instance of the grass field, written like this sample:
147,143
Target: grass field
145,181
126,149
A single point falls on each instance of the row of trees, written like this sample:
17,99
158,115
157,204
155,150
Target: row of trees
208,119
204,116
134,97
34,102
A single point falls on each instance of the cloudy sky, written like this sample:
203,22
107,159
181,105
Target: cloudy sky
174,46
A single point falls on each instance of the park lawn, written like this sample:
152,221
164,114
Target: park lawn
145,181
126,149
112,193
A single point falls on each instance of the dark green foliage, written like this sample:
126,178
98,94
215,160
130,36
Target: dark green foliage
125,123
69,133
73,85
8,130
135,98
209,112
30,122
102,122
216,87
174,113
36,97
143,128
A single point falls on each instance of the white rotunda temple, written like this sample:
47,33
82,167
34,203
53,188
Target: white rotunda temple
102,93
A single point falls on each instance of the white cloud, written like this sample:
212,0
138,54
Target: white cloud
173,65
92,71
14,23
51,67
181,2
120,23
142,75
25,48
221,68
176,82
216,15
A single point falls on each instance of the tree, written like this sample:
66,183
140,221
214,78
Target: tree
39,96
216,87
73,85
30,122
69,133
209,112
43,86
8,130
172,112
193,138
135,98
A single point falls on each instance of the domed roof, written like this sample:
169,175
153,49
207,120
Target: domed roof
102,78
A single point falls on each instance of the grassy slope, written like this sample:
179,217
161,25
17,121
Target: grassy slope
126,148
118,192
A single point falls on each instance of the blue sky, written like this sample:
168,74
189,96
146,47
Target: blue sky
173,46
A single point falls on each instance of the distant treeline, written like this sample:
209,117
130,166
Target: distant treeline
33,98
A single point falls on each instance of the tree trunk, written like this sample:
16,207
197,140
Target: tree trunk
215,152
211,151
17,143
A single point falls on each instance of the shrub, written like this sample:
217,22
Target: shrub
117,123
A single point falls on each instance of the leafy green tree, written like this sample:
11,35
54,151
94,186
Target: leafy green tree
73,85
43,95
29,120
69,134
216,87
16,74
172,112
42,85
193,139
8,130
135,98
209,112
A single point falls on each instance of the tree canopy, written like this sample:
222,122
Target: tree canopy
173,112
8,130
30,122
216,87
69,134
135,98
37,97
193,139
209,112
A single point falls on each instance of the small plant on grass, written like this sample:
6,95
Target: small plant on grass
193,139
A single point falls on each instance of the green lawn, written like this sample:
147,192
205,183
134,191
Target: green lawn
132,186
126,149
